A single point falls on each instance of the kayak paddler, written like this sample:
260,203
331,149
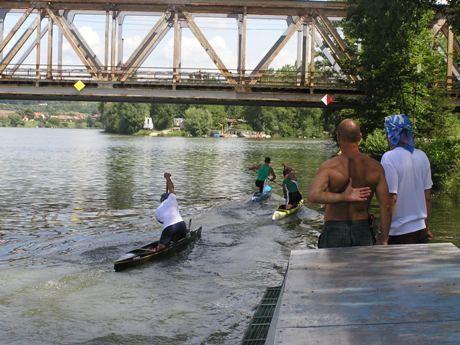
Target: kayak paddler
174,227
291,188
264,170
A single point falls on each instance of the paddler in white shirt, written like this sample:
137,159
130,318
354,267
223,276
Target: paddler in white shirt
174,227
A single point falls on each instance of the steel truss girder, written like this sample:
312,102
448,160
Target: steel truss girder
149,43
19,44
181,13
208,48
258,7
122,72
274,50
84,54
441,27
229,96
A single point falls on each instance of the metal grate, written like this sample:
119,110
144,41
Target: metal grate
257,331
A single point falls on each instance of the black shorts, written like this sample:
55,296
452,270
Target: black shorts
420,236
294,198
173,233
351,233
260,184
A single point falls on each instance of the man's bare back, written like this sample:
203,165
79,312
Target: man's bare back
347,183
363,172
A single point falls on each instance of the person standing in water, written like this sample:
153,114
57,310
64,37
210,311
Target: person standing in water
264,170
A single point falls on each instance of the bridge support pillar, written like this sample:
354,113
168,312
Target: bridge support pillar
177,50
3,14
242,23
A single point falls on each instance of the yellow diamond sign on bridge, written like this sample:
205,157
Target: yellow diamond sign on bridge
79,85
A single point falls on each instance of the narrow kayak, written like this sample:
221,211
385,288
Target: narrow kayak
146,254
257,196
282,212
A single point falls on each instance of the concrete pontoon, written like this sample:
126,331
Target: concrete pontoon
395,295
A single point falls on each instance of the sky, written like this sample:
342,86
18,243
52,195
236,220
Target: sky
222,34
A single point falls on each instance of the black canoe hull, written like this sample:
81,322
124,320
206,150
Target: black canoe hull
144,254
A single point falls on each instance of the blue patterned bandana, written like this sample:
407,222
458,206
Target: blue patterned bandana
399,132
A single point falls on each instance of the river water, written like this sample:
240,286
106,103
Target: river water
72,201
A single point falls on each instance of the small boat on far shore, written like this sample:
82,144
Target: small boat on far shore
147,254
253,135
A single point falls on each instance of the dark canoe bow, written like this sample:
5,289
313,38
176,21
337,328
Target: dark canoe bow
145,254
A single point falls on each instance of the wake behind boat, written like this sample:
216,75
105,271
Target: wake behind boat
147,254
283,212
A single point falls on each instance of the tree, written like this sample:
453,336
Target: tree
53,122
14,120
234,111
253,115
124,118
197,121
219,115
110,118
131,116
400,72
163,115
27,112
453,15
310,122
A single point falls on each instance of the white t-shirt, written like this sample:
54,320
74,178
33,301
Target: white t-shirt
168,211
408,175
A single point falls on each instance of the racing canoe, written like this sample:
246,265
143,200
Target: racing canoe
146,254
282,212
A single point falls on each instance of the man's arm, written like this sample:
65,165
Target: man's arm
254,167
169,183
428,213
319,193
272,172
386,205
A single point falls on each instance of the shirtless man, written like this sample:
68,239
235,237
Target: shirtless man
346,184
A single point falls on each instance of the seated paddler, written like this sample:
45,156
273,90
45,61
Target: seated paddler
291,188
174,227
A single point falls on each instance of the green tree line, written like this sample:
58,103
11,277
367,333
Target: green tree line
199,120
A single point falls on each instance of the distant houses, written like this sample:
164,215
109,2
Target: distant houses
178,124
230,129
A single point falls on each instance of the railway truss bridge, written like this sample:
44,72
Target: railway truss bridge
38,38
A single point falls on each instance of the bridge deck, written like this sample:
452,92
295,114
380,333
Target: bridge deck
371,295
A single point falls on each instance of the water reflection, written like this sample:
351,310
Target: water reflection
121,164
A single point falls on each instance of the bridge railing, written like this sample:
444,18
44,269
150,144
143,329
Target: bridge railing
167,76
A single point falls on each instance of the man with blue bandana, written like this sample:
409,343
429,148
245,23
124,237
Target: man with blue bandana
408,174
